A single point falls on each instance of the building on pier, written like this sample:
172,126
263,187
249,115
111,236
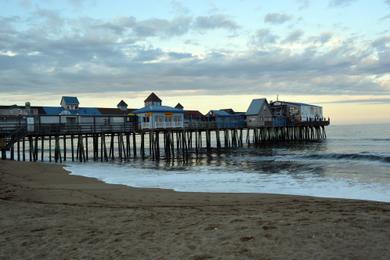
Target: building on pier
69,103
293,112
226,118
40,131
15,110
259,114
156,116
122,105
192,118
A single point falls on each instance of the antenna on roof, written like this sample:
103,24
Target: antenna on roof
277,97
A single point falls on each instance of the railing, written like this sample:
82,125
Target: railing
159,125
7,127
54,129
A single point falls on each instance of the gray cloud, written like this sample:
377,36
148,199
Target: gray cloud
264,37
294,36
90,56
322,38
277,18
382,43
215,22
373,101
385,17
340,3
179,8
163,27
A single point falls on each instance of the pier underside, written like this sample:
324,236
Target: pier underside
153,144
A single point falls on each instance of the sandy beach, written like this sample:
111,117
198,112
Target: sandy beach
48,214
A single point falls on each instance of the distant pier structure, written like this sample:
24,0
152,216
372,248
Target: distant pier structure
72,133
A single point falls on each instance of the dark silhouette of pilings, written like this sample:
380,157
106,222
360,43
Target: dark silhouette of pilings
153,144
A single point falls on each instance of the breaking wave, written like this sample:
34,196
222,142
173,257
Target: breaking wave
350,156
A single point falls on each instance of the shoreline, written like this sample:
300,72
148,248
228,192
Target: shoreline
85,217
68,167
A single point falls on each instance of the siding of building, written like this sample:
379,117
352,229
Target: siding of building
224,119
258,114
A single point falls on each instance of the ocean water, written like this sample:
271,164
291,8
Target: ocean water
353,163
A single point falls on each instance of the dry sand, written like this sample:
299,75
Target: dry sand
48,214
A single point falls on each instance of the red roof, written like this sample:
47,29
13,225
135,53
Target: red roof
152,98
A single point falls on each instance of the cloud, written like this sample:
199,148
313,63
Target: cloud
179,55
385,17
294,36
387,2
85,55
264,37
372,101
162,27
215,22
340,3
179,8
277,18
323,38
382,43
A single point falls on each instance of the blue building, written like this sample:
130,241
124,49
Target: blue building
227,118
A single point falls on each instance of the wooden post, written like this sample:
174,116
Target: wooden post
86,147
49,148
30,147
72,147
12,152
142,145
18,149
3,154
36,149
24,149
64,141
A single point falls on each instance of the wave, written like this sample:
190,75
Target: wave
359,139
350,156
379,139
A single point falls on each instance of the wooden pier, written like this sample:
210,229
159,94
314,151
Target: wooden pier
61,143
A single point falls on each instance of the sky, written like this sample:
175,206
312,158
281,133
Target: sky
205,54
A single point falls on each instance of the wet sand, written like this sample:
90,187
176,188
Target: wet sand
45,213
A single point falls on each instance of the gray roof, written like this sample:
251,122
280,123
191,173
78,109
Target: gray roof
295,103
122,104
256,106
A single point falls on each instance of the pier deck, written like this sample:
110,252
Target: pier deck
103,140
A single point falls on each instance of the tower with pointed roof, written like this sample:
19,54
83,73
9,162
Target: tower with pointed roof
179,106
122,105
152,100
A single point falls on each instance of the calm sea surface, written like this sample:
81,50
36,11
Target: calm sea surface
354,162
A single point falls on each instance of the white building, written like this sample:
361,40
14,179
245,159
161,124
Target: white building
298,112
155,116
70,103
